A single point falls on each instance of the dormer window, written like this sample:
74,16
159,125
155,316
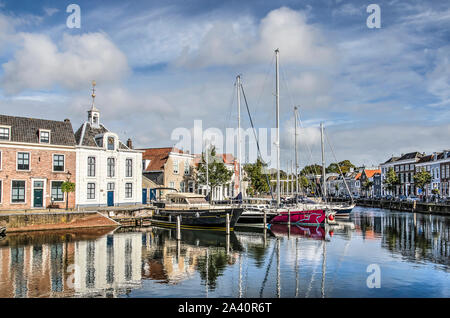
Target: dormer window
95,120
111,143
44,136
5,133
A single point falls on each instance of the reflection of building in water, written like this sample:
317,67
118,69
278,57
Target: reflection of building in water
109,265
104,267
172,262
413,235
35,270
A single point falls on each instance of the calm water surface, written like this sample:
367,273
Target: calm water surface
411,250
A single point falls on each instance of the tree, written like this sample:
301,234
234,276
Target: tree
344,166
304,182
256,177
421,179
218,174
391,180
66,188
367,185
312,169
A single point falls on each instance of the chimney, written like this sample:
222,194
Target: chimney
67,121
129,143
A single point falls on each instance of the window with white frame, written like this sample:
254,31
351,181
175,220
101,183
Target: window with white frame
187,169
23,161
129,168
111,167
44,136
175,166
58,163
91,191
128,190
57,193
18,191
5,133
91,167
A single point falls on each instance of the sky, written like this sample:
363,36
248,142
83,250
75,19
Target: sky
161,65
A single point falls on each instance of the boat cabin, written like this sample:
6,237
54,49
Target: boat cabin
185,198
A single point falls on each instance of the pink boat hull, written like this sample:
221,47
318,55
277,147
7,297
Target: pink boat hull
301,217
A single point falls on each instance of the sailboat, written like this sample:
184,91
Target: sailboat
298,214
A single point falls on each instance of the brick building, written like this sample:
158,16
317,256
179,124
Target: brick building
36,157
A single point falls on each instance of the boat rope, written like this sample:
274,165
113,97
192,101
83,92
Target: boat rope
267,272
256,139
339,166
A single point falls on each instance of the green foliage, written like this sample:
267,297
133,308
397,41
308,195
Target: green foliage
67,187
421,179
312,169
256,177
345,166
367,185
435,191
218,173
391,180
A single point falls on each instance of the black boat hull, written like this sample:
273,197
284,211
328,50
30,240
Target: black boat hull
197,219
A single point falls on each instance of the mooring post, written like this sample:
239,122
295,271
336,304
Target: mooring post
228,223
289,217
178,227
265,219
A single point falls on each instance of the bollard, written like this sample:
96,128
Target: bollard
265,219
289,217
178,227
228,223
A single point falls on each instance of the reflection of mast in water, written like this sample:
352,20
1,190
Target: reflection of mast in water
324,267
267,273
296,267
278,270
240,276
207,271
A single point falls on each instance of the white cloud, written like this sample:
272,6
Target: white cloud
50,11
226,44
72,64
439,77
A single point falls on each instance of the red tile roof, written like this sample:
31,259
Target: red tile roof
370,173
358,176
158,157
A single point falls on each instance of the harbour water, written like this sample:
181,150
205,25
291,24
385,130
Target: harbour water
410,250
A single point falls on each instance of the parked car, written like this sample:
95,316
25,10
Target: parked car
412,198
401,198
388,197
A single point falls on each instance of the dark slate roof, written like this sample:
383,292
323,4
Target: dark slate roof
411,155
89,135
392,159
27,130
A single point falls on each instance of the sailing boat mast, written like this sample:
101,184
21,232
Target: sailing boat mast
238,87
324,188
277,51
296,155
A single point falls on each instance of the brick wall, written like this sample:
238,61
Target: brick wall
41,167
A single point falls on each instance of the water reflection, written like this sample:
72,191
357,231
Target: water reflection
280,262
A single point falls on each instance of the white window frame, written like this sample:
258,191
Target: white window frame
9,134
25,194
51,187
95,166
176,167
49,136
95,191
187,168
29,161
114,167
53,162
126,193
131,166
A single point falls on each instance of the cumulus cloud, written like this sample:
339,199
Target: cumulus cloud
439,77
225,43
75,61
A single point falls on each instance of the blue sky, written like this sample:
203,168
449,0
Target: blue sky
162,65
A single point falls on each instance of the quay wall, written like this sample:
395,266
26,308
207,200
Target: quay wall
24,222
420,207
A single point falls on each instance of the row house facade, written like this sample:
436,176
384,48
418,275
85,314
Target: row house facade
389,164
109,173
438,166
170,169
36,157
405,168
374,176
